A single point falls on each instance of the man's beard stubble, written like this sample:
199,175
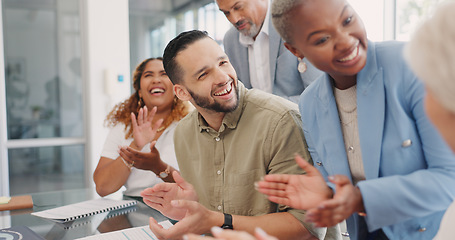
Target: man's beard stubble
252,32
204,102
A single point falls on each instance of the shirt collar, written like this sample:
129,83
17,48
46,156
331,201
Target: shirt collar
230,119
247,40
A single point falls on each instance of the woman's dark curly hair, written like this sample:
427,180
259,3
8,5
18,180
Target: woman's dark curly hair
122,111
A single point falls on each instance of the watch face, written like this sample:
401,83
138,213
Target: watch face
163,175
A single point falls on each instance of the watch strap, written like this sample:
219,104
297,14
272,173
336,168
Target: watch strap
227,221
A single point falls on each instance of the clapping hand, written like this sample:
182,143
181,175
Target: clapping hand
310,192
143,129
160,196
298,191
197,219
143,132
141,160
347,200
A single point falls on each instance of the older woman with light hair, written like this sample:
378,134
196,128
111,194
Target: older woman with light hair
431,54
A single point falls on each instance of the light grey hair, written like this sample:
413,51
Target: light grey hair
281,17
431,54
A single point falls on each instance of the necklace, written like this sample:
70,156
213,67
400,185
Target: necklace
347,114
166,123
161,128
347,111
346,101
350,127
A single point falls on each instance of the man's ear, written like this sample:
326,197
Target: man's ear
181,92
293,50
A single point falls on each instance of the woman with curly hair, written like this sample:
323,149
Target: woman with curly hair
139,150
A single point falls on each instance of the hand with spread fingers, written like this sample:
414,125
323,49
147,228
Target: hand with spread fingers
298,191
219,233
144,130
197,220
160,196
310,192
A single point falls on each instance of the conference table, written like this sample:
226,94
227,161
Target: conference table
135,216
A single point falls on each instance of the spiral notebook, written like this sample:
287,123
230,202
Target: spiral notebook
83,209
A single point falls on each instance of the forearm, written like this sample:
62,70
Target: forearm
110,175
282,225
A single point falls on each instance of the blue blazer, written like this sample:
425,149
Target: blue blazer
408,187
287,81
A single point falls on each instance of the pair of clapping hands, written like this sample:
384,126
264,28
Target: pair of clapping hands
179,201
144,132
310,192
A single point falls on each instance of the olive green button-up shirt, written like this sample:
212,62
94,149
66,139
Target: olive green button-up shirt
260,137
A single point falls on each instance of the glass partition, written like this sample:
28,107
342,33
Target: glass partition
44,169
45,144
42,69
411,13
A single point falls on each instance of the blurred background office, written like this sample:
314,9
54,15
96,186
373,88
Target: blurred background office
67,62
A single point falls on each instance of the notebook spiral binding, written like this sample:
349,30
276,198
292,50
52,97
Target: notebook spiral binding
75,224
119,212
84,209
100,211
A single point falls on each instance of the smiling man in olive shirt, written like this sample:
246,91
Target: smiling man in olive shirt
235,137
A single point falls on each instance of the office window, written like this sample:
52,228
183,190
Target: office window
157,42
393,19
44,107
372,14
42,72
188,20
207,18
212,20
411,13
150,32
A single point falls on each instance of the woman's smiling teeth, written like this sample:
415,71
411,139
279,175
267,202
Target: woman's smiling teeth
351,56
157,90
225,91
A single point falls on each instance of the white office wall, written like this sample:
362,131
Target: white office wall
105,47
